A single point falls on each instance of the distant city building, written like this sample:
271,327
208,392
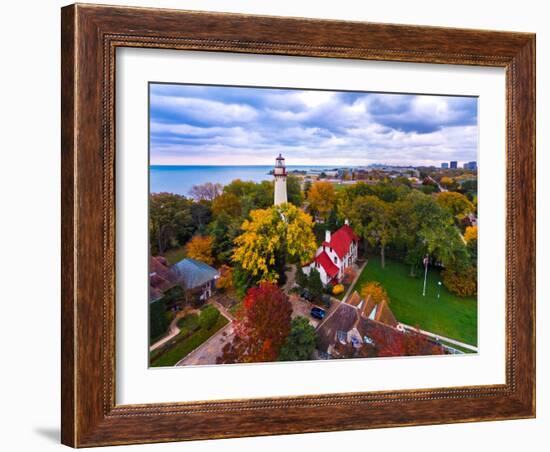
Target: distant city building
470,165
444,165
454,165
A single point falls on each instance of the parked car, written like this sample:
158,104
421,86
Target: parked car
306,294
318,313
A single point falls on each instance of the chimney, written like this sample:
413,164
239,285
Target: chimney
346,222
327,236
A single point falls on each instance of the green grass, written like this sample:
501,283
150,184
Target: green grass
175,255
451,316
186,346
188,324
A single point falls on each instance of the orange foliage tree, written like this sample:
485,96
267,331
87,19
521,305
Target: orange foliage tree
225,281
200,249
261,327
375,290
470,234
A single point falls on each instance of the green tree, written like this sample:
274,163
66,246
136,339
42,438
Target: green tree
373,220
300,343
423,227
224,229
294,190
170,221
315,285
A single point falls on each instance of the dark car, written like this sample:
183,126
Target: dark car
318,313
306,294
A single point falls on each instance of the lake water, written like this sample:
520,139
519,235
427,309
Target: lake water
180,179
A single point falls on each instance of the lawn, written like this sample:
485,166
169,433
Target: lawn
175,255
186,346
450,316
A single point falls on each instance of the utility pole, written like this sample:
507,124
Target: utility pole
426,260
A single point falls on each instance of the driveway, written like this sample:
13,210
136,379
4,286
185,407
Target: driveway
303,308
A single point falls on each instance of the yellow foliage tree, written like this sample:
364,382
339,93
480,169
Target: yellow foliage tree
470,234
456,203
283,229
321,198
200,249
375,290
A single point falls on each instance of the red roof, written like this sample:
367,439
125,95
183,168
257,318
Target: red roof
324,261
341,240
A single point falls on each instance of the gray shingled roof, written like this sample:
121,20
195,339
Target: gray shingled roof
194,273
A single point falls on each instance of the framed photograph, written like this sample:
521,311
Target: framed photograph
281,225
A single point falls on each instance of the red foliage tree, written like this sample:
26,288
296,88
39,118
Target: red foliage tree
404,344
261,327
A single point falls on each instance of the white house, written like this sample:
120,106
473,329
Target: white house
336,253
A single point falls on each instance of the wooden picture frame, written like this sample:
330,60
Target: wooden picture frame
90,36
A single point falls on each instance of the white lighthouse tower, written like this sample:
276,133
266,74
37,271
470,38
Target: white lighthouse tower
280,181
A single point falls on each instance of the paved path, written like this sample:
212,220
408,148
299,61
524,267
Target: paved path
290,279
209,350
173,331
352,285
439,337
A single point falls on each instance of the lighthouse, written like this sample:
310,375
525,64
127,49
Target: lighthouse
280,180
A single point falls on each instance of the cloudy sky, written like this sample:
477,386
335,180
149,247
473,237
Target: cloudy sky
214,125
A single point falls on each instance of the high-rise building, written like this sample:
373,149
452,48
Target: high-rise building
444,165
454,164
470,165
280,181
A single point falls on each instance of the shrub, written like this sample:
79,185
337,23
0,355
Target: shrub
338,289
208,317
158,320
462,283
225,281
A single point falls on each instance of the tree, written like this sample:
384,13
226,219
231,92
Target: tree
461,282
448,182
224,229
261,327
225,282
455,203
200,249
227,204
252,195
301,277
470,234
373,220
300,343
201,214
294,190
206,192
375,291
404,344
424,228
208,317
270,237
321,198
170,221
315,285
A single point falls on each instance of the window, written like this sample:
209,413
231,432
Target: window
335,260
